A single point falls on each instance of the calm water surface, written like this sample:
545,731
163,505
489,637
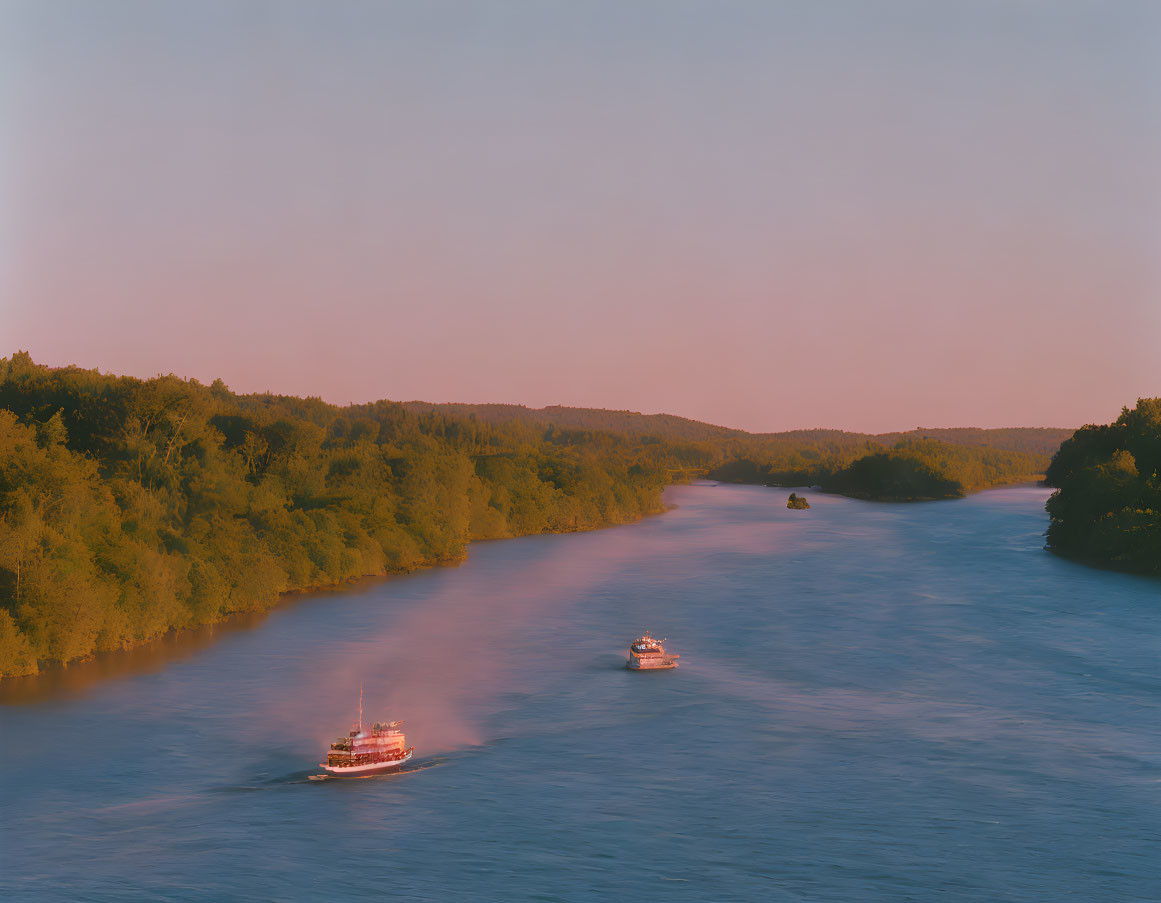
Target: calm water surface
875,702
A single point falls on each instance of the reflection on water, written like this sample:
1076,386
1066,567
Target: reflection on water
57,682
876,702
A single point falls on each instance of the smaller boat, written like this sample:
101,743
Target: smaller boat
367,751
647,654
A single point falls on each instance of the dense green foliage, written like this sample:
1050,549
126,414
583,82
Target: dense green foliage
796,459
910,465
911,469
893,476
129,508
1029,440
926,469
132,507
1107,507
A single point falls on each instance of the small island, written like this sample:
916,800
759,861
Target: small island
796,501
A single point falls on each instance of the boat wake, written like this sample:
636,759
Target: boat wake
394,773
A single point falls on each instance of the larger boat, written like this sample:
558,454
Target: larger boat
367,750
647,654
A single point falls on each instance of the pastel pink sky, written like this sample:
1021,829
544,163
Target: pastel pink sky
864,215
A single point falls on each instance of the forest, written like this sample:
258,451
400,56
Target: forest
130,508
1106,509
660,426
1031,440
915,464
916,469
909,470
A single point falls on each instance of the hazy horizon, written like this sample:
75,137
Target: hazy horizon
340,403
771,216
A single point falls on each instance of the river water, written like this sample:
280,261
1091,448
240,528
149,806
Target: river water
875,702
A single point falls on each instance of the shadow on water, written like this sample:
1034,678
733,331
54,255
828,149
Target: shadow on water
399,773
312,776
57,682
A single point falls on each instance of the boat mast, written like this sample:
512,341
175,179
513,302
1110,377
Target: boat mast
360,707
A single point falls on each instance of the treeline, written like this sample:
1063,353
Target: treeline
660,426
737,443
912,469
1029,440
129,507
928,469
919,464
1107,506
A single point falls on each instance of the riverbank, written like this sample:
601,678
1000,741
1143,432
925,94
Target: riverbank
130,508
1033,479
1107,511
911,470
55,679
898,700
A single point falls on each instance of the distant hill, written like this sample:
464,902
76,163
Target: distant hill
1030,440
661,426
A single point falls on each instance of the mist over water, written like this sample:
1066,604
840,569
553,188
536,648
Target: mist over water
875,702
444,661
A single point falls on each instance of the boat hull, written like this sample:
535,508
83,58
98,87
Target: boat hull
661,665
364,771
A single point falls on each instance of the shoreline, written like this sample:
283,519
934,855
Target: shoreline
1022,480
67,679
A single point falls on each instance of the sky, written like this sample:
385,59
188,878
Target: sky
870,215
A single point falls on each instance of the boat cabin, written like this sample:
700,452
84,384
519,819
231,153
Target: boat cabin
646,645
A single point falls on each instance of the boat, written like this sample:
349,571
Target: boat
367,749
647,654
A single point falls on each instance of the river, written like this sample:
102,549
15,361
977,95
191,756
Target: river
875,702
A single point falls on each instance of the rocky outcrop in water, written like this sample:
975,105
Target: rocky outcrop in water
796,501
